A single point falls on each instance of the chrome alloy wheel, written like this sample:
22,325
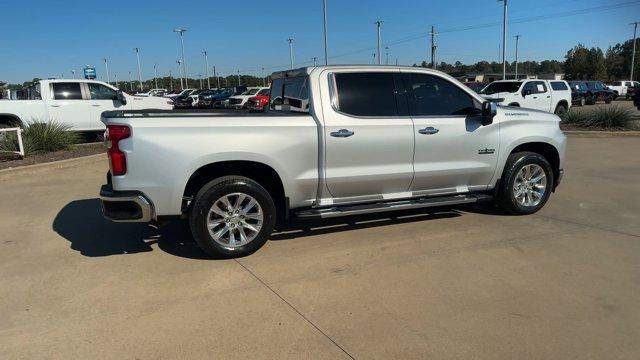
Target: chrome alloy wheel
530,185
234,220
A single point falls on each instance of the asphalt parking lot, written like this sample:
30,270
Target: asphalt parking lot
449,283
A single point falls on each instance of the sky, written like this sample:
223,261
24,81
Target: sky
50,38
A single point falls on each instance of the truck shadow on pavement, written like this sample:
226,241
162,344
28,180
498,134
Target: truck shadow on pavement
81,223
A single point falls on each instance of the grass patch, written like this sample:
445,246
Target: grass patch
40,137
608,118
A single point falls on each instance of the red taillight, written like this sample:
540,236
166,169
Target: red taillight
117,158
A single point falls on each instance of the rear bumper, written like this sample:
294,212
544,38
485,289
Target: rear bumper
125,206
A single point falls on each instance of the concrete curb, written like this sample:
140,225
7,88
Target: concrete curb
601,134
58,163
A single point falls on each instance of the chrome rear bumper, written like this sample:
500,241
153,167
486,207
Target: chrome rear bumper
125,206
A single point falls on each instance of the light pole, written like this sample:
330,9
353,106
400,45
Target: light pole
130,82
386,48
433,46
200,77
263,77
517,41
106,66
314,60
290,40
504,39
216,76
633,54
180,72
184,64
139,68
374,58
170,82
155,74
326,41
238,77
206,67
116,78
73,74
378,25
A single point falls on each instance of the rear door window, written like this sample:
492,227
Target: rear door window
365,94
66,91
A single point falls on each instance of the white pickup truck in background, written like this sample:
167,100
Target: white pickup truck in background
546,95
77,103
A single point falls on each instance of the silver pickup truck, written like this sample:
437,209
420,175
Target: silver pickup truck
336,141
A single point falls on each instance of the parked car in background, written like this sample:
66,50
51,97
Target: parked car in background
184,100
184,92
476,86
579,93
546,95
235,177
195,97
153,92
240,101
221,100
597,91
259,102
77,103
205,98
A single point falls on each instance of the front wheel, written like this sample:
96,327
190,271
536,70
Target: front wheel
232,216
526,183
561,110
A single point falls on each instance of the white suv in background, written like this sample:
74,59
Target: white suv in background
546,95
620,88
240,101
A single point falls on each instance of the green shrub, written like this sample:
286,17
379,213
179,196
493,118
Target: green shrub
41,137
608,117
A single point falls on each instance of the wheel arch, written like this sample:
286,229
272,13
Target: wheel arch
548,151
10,119
261,173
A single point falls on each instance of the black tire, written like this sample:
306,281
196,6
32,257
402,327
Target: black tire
608,100
591,99
206,198
560,110
583,101
505,195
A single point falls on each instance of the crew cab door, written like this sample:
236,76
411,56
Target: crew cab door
68,105
101,98
536,95
368,136
454,152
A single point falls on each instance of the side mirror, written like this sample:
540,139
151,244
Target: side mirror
526,92
489,110
121,97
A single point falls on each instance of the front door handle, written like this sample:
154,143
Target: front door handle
55,105
96,105
342,133
429,130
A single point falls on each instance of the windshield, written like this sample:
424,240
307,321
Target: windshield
502,86
290,94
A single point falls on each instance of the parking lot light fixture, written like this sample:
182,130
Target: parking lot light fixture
378,26
216,76
504,39
238,77
73,74
290,40
139,68
326,41
181,31
517,41
106,67
155,74
170,82
386,48
633,54
130,82
115,76
206,68
181,76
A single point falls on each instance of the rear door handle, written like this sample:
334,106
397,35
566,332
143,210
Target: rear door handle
342,133
429,130
96,105
55,105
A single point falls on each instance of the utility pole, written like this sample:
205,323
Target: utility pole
200,77
504,39
374,58
116,78
73,74
290,40
155,74
181,76
170,82
386,49
216,76
433,47
378,25
130,82
184,64
517,41
107,68
314,60
263,77
238,77
326,42
206,66
633,54
139,68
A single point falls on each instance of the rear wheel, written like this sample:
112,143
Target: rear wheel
232,216
560,110
608,100
583,101
526,183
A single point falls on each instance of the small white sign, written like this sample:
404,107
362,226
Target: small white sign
540,88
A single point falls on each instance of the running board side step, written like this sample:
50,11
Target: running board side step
424,202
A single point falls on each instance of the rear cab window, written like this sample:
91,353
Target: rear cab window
290,94
370,94
66,91
559,85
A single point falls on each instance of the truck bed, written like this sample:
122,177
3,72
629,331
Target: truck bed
197,113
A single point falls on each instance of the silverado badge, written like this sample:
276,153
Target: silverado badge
486,151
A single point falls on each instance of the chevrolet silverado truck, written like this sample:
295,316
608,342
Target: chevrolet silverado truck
76,103
546,95
335,141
